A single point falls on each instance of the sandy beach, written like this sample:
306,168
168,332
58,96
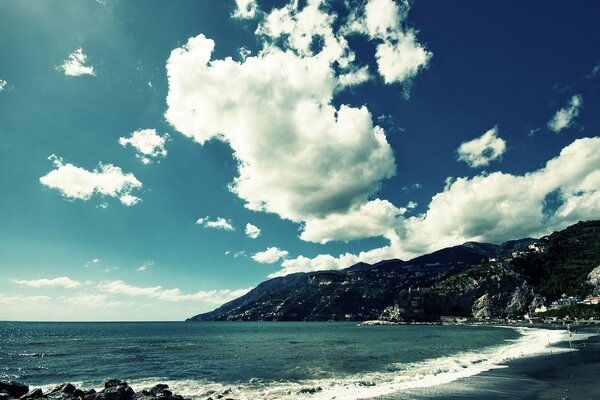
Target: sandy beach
573,375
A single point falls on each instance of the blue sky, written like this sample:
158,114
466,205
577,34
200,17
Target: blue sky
158,159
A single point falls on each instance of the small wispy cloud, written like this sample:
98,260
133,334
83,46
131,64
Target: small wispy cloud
10,300
218,223
565,116
144,267
594,72
480,151
75,64
173,295
270,255
93,263
245,9
148,144
62,281
3,84
252,231
84,300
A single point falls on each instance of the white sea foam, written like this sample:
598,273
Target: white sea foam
395,378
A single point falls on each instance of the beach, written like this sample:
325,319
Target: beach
572,375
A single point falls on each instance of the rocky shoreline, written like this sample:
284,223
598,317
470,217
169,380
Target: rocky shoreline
114,389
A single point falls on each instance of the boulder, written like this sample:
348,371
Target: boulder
64,388
114,382
158,389
14,389
120,392
33,394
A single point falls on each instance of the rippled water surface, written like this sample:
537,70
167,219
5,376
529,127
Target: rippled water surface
251,355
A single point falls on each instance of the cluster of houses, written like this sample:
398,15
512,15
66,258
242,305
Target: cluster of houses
565,301
532,248
537,247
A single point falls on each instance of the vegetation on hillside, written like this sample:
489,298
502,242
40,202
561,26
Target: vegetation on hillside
572,254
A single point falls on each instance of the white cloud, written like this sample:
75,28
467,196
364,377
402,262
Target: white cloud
375,218
219,223
148,143
18,300
245,9
480,151
324,262
74,65
84,300
252,231
399,55
63,281
129,200
3,84
402,59
500,206
174,295
306,158
77,183
566,115
270,255
354,77
486,208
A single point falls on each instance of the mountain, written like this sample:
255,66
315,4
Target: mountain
564,263
362,291
480,280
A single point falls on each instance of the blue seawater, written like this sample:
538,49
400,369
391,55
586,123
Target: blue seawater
256,359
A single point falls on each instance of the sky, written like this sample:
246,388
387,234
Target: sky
158,159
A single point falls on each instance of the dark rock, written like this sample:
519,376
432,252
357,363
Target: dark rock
64,388
5,396
160,388
119,392
89,394
311,390
78,393
114,382
14,389
145,395
33,394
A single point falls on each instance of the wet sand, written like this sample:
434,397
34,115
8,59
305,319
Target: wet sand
570,376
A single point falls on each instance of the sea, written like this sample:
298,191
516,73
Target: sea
261,360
